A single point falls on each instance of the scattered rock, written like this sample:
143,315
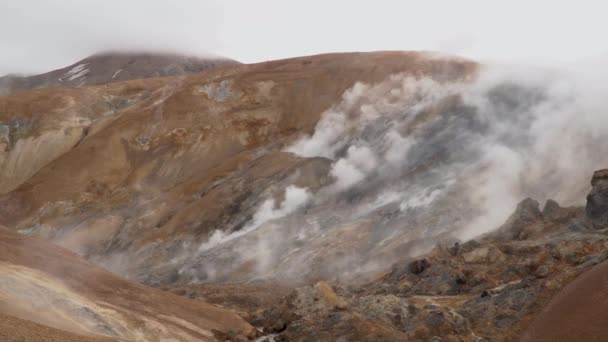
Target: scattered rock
542,271
568,251
392,310
317,300
489,254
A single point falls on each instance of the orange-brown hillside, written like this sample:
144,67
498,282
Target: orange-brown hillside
163,161
49,285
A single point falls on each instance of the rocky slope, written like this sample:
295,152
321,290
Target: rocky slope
329,197
506,285
112,67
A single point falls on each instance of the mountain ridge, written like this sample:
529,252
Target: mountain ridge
113,66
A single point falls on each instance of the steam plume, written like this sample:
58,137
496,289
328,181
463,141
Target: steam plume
419,159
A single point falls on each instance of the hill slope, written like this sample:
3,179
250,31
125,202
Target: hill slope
159,163
52,286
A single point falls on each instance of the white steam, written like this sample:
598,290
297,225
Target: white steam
538,143
294,198
417,158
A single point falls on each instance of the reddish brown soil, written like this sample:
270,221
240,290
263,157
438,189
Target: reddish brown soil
578,313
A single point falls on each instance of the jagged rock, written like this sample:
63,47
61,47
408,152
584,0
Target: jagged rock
551,207
553,211
597,199
526,214
418,266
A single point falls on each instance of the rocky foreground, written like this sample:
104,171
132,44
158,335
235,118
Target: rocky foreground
498,287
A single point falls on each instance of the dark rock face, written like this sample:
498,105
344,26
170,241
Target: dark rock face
554,212
551,208
526,214
418,266
597,200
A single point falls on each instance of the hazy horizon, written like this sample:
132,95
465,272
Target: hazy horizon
40,36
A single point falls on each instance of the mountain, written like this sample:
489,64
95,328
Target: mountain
161,164
112,67
342,196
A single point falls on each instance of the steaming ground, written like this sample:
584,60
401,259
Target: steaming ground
171,184
417,161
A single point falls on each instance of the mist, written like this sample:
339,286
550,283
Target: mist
421,161
38,36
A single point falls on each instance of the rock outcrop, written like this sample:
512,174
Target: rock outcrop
526,214
597,200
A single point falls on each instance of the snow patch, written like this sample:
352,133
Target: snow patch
116,73
76,72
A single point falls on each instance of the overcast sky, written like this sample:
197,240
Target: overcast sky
41,35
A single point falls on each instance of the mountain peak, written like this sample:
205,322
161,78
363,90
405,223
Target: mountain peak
112,66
